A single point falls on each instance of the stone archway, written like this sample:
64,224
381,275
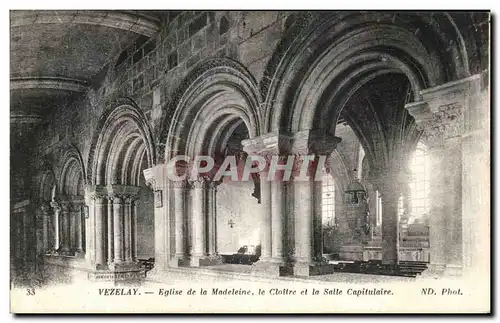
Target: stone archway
214,109
69,203
121,149
324,70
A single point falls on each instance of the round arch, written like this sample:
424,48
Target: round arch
121,145
323,58
217,97
47,185
72,177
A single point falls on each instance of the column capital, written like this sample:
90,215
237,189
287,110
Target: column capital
44,208
155,177
316,142
200,182
301,143
125,191
272,143
440,113
95,192
56,206
179,184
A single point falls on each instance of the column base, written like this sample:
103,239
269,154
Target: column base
178,261
273,267
119,272
124,266
204,260
312,269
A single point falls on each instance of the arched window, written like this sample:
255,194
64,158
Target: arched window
328,201
419,184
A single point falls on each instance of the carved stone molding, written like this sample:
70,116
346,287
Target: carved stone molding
200,182
56,206
155,177
125,191
269,144
300,143
48,83
179,184
108,18
441,113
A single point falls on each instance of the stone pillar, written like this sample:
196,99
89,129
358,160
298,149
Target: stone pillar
127,228
122,226
278,221
447,115
111,226
303,208
179,189
211,198
133,229
65,228
77,229
156,178
307,200
198,222
118,230
57,212
273,215
99,233
44,209
265,220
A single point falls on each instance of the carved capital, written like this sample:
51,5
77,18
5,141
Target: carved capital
117,198
44,208
56,206
272,143
315,142
179,184
440,114
200,182
155,177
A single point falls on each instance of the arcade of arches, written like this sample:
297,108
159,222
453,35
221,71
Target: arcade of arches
398,102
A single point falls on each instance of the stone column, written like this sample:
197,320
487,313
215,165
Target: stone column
133,229
122,226
44,209
211,198
272,214
303,208
127,226
447,114
265,220
390,219
278,221
179,189
118,230
156,178
307,200
111,227
65,228
99,233
57,212
198,222
79,229
211,211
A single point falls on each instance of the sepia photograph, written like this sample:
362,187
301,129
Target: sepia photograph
242,161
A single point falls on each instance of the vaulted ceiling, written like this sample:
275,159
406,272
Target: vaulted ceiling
55,55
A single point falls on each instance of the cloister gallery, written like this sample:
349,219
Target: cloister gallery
101,101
